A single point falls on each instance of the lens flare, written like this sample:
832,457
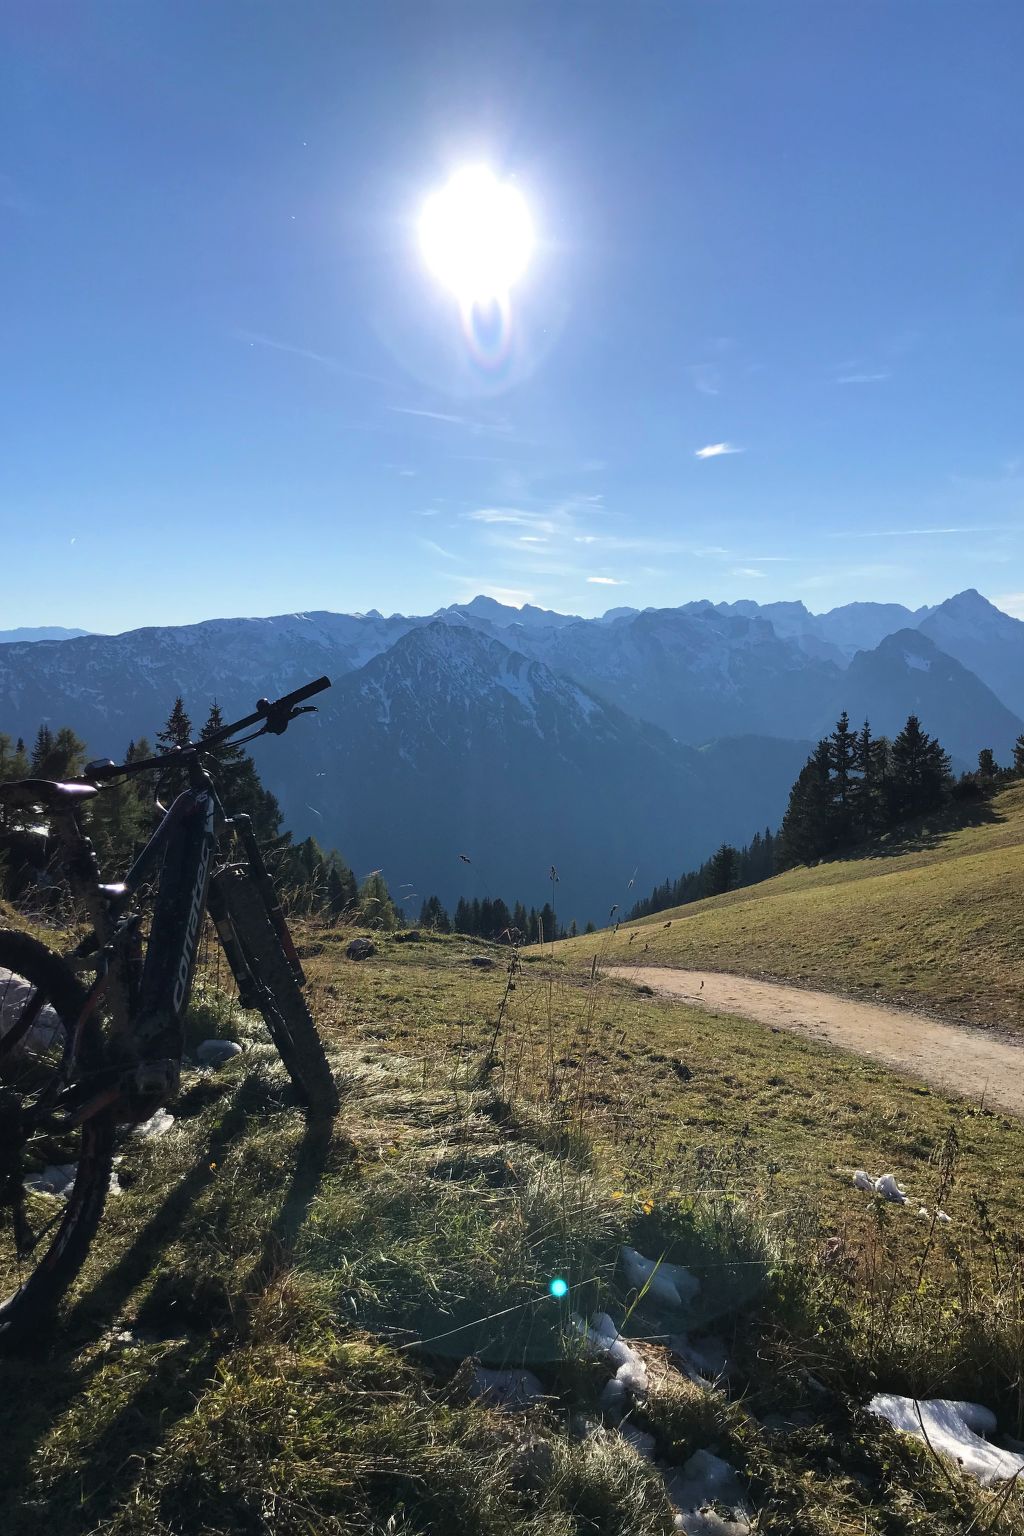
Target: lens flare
476,236
559,1287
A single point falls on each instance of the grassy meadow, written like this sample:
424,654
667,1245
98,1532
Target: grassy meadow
276,1329
935,922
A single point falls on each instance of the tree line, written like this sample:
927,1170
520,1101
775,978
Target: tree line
313,881
491,918
727,869
854,787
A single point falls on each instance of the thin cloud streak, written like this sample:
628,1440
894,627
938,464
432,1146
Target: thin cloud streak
257,339
716,451
606,581
919,533
438,549
862,378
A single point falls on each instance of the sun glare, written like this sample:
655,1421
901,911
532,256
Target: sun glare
476,235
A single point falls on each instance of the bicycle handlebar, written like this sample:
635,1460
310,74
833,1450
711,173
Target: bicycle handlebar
273,715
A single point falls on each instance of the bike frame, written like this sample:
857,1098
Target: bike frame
148,986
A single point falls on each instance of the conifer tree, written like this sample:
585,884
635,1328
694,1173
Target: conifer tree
375,904
806,834
843,751
238,784
434,917
1018,756
920,772
720,871
987,768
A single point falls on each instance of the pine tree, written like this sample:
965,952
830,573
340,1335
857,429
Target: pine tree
920,772
843,753
462,916
988,769
434,917
720,870
1018,757
590,928
377,909
520,920
341,887
119,819
238,784
177,731
806,834
548,923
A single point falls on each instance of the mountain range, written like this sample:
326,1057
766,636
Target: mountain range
619,748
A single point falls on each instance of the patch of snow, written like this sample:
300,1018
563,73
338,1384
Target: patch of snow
941,1216
639,1439
953,1429
506,1389
157,1125
885,1185
703,1359
57,1179
703,1479
15,995
671,1284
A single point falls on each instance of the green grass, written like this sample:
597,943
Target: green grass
934,923
275,1331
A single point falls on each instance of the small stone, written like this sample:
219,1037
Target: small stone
214,1053
361,949
482,962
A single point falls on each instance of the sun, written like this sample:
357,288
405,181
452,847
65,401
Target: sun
476,235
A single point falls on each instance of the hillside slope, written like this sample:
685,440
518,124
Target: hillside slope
935,923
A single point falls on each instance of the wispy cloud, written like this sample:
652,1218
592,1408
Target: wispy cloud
1011,603
915,533
716,450
332,364
438,549
451,419
747,571
862,378
606,581
515,516
706,378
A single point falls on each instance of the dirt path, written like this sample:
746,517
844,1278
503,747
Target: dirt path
950,1056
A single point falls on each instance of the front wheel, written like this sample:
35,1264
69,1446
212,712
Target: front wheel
53,1178
277,995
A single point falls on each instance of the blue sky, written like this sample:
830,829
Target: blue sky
230,385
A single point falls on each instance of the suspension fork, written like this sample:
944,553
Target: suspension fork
259,872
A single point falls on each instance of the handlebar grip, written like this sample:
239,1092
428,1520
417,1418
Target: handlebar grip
306,692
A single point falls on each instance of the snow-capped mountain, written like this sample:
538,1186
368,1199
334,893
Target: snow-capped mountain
525,738
984,639
908,674
450,743
696,672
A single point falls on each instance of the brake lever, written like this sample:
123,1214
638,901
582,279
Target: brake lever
277,719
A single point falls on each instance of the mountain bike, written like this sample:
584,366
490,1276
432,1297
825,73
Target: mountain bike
78,1059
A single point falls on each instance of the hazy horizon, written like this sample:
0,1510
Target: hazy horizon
463,602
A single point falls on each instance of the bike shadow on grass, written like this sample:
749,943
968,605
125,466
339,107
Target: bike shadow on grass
41,1384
